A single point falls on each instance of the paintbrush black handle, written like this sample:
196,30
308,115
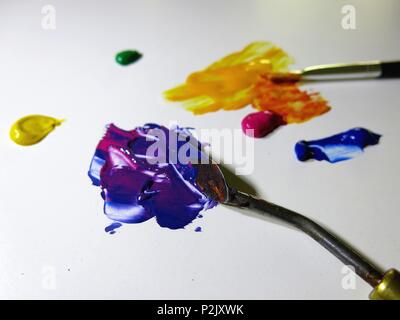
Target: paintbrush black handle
329,241
390,69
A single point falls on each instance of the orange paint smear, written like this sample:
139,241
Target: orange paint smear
287,100
242,78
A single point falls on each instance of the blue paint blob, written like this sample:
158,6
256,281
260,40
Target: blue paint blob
148,173
198,229
339,147
111,228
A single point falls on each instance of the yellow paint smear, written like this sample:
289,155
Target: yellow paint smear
243,78
32,129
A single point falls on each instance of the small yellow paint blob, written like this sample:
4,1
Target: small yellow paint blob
32,129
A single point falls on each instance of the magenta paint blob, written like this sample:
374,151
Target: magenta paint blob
259,124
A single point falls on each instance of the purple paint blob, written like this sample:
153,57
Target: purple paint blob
198,229
339,147
147,172
259,124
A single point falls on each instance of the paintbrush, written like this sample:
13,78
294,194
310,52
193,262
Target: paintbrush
211,181
342,71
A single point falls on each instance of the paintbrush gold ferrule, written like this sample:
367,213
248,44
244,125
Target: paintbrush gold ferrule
291,76
388,288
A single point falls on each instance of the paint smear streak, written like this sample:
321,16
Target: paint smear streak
243,78
287,100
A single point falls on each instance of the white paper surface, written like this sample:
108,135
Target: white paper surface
52,242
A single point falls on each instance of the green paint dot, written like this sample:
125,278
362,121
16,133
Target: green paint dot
127,57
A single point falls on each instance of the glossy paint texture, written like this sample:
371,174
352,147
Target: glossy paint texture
32,129
259,124
339,147
147,173
127,57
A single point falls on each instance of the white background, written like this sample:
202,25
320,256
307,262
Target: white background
51,217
